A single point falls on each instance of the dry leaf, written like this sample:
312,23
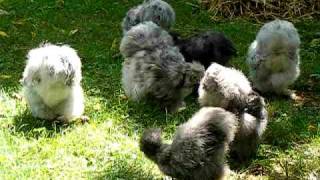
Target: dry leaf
19,22
97,107
312,127
33,35
3,34
3,12
72,32
17,96
114,45
60,3
123,97
5,76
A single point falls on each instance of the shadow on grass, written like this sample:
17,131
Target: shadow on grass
293,121
147,115
124,170
32,127
290,126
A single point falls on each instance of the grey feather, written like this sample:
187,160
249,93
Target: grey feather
199,146
230,89
154,69
157,11
273,58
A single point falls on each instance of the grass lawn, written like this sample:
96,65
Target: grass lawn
107,146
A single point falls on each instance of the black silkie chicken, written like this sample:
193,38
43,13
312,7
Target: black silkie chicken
199,146
205,48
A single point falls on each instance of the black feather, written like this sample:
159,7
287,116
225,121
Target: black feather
206,47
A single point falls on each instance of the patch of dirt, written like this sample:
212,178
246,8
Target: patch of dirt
307,99
258,170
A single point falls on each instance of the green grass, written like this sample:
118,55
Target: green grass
107,147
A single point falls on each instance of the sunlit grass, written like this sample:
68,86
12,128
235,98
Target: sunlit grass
107,146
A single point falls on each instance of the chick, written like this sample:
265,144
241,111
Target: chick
224,87
157,11
230,89
51,83
273,58
206,48
253,123
198,148
154,69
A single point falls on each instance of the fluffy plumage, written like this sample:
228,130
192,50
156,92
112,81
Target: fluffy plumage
198,148
206,48
273,58
253,122
230,89
157,11
224,87
51,83
154,69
